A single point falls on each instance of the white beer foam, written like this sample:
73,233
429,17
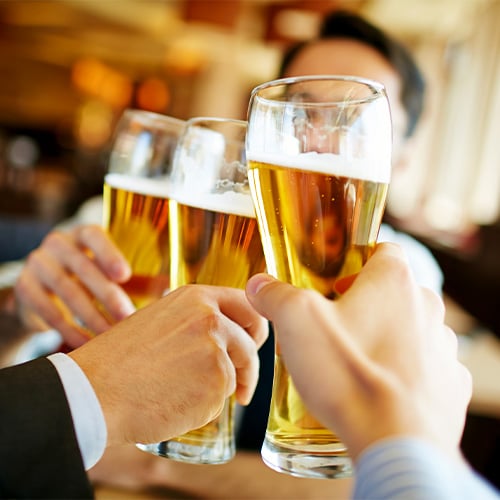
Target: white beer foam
328,163
229,202
157,186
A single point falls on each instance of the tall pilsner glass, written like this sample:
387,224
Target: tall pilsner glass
319,156
214,240
136,194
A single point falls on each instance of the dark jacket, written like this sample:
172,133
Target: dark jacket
39,452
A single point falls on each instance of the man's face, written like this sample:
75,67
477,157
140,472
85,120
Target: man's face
342,56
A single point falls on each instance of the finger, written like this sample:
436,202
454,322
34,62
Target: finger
390,250
232,303
273,299
434,303
385,273
387,264
299,315
466,381
108,256
52,312
110,295
243,353
246,331
54,278
309,333
447,342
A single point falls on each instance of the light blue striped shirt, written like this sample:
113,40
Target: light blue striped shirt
411,469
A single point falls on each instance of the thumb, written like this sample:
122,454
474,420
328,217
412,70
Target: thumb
264,293
275,300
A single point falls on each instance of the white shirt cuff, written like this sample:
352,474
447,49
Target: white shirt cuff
88,418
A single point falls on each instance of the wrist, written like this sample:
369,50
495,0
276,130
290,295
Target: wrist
93,366
88,419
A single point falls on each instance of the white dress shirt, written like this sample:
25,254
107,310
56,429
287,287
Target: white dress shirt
88,419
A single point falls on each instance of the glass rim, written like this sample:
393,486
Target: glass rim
150,115
377,87
215,119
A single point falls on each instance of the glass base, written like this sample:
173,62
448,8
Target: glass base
322,465
190,453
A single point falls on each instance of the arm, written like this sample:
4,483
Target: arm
381,352
164,370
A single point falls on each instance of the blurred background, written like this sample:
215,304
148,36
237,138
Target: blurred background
68,68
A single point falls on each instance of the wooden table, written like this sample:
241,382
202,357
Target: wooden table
133,474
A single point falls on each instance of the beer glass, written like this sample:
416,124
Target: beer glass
214,240
136,194
319,158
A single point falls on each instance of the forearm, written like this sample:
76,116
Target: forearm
412,469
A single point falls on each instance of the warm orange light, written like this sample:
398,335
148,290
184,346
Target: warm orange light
185,60
94,78
153,95
93,125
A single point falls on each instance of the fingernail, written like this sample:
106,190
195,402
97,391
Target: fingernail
119,271
128,310
258,282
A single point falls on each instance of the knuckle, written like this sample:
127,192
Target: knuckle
83,263
112,296
467,376
60,282
55,318
22,286
402,271
87,233
55,240
23,291
299,300
191,293
434,301
34,258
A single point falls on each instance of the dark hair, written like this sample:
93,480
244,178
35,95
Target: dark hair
341,24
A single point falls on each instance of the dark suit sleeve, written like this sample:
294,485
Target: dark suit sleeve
39,453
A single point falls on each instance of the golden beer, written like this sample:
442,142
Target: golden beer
318,149
214,241
136,214
316,227
218,244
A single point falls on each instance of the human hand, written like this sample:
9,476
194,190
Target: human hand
74,277
377,362
169,367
